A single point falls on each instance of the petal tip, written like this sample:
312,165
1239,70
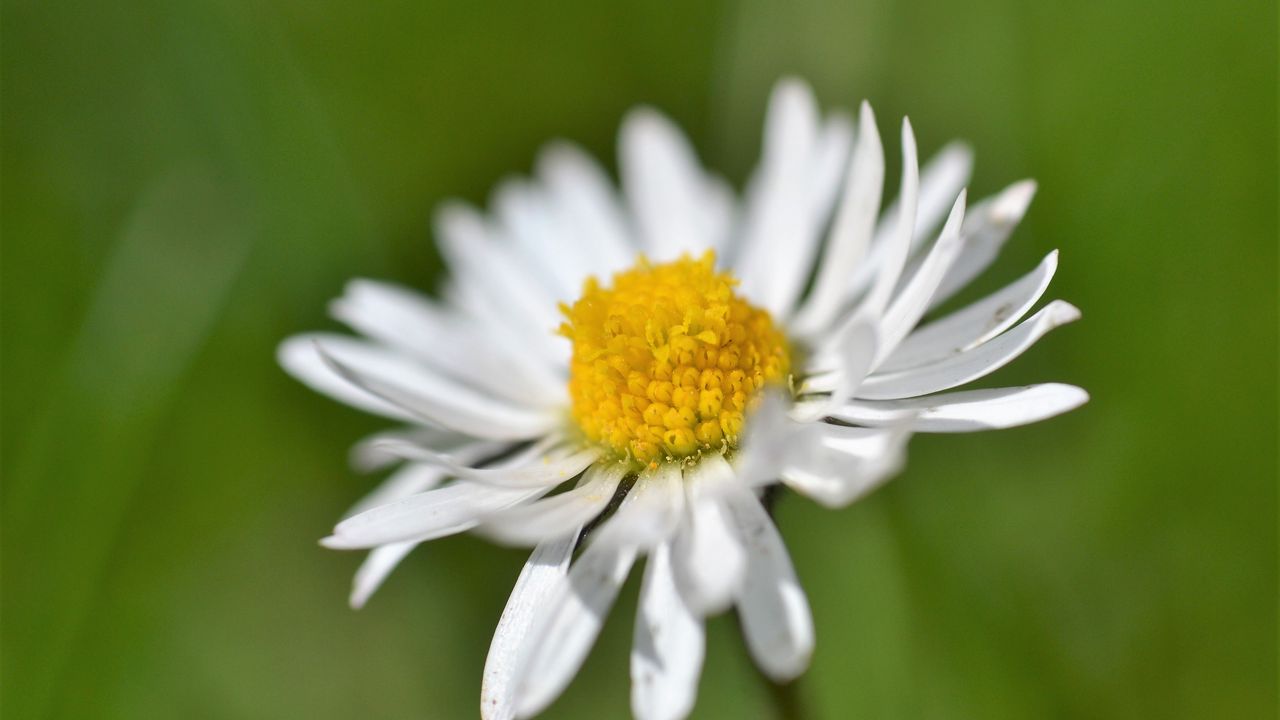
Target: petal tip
1081,396
1013,202
1061,312
289,350
792,88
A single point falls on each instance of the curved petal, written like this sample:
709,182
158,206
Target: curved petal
986,230
969,366
539,578
719,212
773,610
547,248
975,324
426,396
411,479
559,514
490,273
889,267
375,568
912,301
666,655
665,186
654,507
442,338
589,203
790,198
395,316
851,234
647,517
547,367
298,356
853,354
565,631
368,455
408,479
767,437
968,411
707,555
941,179
537,466
836,465
436,513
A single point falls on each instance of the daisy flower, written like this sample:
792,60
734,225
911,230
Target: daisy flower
621,372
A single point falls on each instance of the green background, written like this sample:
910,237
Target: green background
184,184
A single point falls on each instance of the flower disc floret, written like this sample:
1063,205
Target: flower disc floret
668,360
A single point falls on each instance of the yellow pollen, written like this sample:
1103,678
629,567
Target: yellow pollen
667,362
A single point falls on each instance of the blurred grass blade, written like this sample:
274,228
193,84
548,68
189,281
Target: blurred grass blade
157,299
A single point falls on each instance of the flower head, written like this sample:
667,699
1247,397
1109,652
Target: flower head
615,375
666,360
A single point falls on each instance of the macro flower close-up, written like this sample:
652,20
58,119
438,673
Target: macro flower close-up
777,361
622,372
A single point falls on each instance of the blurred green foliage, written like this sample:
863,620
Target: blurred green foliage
185,183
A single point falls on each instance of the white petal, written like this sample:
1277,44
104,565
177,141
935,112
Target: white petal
566,630
708,556
395,316
375,568
432,514
444,339
717,213
429,397
822,186
985,232
969,411
941,180
493,274
896,247
298,356
664,184
511,641
975,324
969,366
666,655
589,203
911,302
766,437
547,250
838,465
413,478
851,233
547,470
367,455
853,354
790,131
772,607
790,199
490,319
654,507
408,479
559,514
479,255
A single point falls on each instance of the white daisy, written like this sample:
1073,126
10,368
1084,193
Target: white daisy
616,374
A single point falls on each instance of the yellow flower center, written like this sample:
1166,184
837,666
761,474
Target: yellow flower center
667,362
